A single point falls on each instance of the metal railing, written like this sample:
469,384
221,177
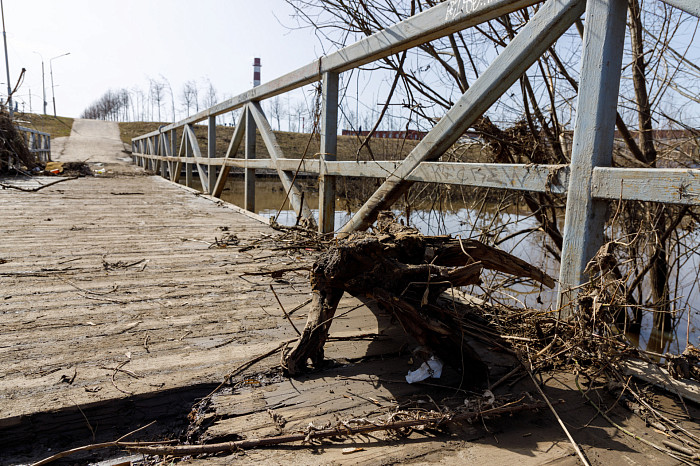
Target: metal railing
38,143
589,181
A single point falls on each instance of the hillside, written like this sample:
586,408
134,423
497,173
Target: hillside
293,144
56,126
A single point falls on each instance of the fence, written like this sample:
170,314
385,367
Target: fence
589,181
38,143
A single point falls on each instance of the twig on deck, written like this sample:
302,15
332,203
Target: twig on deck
33,190
289,319
98,446
580,454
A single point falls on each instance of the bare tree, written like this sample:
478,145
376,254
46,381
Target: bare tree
156,92
189,96
167,85
210,97
276,110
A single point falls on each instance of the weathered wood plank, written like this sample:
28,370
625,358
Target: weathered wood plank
652,373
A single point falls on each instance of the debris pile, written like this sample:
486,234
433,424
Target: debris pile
13,148
406,274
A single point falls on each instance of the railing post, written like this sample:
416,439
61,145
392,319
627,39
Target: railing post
594,130
329,146
144,149
211,153
173,153
163,150
188,165
249,177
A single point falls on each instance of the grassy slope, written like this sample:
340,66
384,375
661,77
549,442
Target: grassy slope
56,126
294,144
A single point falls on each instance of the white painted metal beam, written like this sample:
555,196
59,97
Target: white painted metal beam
670,185
543,29
296,199
438,21
594,131
689,6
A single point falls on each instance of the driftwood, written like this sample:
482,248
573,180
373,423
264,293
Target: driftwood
343,430
405,272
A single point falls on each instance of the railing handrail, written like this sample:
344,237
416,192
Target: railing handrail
38,143
434,23
30,130
587,180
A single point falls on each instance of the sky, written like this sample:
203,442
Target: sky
121,44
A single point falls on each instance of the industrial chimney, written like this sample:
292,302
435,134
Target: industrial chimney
256,72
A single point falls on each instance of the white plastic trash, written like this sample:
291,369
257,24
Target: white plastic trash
431,368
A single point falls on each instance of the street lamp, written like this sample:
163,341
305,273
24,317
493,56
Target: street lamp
53,96
43,86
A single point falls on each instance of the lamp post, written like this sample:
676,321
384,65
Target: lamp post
7,63
43,85
53,95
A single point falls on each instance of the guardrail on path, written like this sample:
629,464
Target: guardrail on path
589,180
38,143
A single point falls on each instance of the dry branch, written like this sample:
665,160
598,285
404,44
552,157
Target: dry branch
342,430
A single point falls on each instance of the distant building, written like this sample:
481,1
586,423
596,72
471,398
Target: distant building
411,134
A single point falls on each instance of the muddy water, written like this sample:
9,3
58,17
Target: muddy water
467,222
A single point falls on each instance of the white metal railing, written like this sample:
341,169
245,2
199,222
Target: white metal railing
38,143
588,181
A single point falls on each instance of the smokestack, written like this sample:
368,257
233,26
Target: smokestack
256,72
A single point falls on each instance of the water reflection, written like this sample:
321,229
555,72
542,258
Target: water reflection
519,234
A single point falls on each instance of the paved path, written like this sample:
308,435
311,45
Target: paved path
96,142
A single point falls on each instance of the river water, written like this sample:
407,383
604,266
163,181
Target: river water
487,221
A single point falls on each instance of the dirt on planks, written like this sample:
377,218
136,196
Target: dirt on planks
203,313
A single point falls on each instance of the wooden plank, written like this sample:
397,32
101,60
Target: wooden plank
182,316
328,149
296,199
594,131
232,149
438,21
669,185
545,27
203,176
655,375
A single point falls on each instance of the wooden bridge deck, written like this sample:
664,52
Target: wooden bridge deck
104,273
115,311
100,273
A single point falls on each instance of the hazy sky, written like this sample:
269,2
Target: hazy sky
120,44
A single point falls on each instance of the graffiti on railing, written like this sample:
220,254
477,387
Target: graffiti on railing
458,7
